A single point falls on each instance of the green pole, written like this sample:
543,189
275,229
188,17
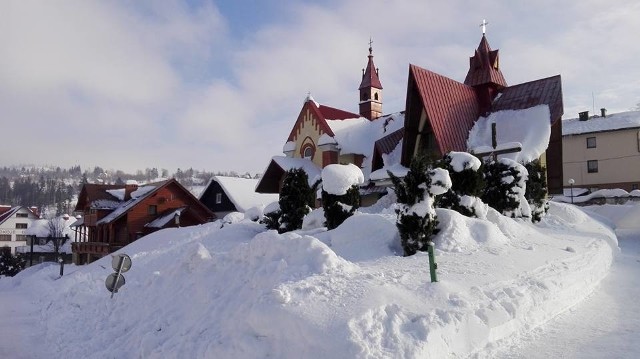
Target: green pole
432,262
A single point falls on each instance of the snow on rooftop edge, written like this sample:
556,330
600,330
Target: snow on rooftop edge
616,121
530,127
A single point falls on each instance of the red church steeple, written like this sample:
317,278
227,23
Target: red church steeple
370,90
484,73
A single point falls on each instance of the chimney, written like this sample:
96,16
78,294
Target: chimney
129,187
603,112
583,116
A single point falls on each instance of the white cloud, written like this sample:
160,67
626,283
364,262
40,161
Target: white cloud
133,85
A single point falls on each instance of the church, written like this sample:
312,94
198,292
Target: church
439,115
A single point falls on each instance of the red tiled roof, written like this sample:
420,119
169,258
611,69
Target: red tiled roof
370,76
484,66
321,114
451,107
330,113
546,91
384,146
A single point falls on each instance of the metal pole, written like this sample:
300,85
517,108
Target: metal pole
432,262
120,265
61,261
31,254
572,193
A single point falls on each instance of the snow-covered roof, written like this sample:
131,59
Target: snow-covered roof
357,136
117,193
529,128
241,192
162,221
40,227
616,121
287,163
136,196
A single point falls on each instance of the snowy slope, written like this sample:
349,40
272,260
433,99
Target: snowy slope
243,292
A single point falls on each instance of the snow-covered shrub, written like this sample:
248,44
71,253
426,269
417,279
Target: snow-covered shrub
536,191
467,184
10,265
505,188
296,200
340,192
417,221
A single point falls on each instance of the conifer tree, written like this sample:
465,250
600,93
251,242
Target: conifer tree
536,191
338,208
10,265
417,221
467,184
296,200
505,188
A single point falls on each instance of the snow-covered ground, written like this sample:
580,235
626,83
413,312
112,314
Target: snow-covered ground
243,292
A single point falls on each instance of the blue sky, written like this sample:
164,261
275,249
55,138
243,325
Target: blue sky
217,85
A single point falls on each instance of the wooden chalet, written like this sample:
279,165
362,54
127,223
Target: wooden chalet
224,195
115,215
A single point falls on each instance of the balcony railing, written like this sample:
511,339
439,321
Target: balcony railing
93,248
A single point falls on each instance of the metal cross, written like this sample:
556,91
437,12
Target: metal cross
484,26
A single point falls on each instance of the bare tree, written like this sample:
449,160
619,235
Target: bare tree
56,237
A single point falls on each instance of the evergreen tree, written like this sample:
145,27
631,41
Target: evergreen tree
338,208
467,184
505,188
417,221
536,191
10,265
296,200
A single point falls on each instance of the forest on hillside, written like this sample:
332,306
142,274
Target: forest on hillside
55,189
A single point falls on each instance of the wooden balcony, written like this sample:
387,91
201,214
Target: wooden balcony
97,248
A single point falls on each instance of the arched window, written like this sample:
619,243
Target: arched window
375,96
308,152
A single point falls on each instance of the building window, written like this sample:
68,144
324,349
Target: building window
376,96
22,215
591,142
21,226
218,198
5,238
21,237
152,209
592,166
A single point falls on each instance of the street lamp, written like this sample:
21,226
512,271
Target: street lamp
571,182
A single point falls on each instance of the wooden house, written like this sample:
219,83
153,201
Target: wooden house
224,195
114,215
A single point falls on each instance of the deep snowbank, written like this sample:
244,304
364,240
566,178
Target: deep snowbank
242,292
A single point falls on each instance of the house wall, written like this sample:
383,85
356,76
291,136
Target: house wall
618,156
167,198
17,236
208,198
308,134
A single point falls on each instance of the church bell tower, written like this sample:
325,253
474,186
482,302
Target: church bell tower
370,90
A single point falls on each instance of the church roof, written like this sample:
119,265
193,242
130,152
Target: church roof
484,66
370,76
451,107
547,91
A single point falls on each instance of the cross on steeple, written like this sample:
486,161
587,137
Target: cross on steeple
484,26
370,47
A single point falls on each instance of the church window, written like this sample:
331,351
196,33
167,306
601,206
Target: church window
308,152
376,96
